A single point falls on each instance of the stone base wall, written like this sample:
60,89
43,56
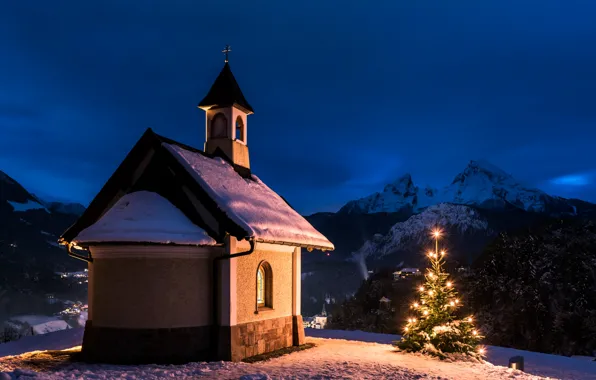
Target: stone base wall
144,346
183,345
255,338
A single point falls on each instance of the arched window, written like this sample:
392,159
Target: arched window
219,126
264,286
239,129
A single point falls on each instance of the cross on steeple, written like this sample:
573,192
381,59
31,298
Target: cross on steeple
226,51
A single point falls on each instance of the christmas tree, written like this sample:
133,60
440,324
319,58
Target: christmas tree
436,330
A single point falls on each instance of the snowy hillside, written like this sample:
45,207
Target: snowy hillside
480,184
414,231
13,195
337,355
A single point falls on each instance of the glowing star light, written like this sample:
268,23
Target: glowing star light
437,233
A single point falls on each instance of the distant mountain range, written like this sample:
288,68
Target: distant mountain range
29,252
390,229
480,184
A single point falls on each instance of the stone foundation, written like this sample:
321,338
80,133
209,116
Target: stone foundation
183,345
255,338
298,330
144,346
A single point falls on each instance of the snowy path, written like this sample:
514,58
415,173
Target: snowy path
331,359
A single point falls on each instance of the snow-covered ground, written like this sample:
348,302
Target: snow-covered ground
348,354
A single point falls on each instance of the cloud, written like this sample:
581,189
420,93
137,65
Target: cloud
574,180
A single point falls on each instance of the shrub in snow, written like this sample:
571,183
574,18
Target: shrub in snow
435,329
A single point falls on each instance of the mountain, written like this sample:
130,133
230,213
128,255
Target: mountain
480,184
29,253
71,208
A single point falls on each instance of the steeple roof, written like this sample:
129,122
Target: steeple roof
225,92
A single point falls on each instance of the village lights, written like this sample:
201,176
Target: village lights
456,301
474,332
469,319
481,350
443,253
430,292
415,304
430,275
449,284
437,233
406,329
452,303
421,288
425,312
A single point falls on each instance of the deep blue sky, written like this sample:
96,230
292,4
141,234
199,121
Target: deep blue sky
348,95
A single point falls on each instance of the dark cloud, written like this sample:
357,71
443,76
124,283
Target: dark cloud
348,95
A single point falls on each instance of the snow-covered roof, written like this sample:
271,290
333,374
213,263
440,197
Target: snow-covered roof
248,202
50,326
144,217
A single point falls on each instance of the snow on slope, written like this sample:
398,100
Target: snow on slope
479,184
361,356
415,229
29,205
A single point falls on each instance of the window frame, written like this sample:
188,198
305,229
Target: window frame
264,270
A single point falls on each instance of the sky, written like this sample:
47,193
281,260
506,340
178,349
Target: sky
348,95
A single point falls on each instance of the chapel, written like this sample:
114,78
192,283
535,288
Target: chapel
191,257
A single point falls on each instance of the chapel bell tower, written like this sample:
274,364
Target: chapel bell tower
225,120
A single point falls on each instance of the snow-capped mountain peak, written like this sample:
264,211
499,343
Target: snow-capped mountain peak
484,168
402,186
480,184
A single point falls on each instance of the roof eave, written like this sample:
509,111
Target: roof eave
300,245
246,109
87,244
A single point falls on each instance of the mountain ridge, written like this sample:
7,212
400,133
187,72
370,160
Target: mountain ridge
480,184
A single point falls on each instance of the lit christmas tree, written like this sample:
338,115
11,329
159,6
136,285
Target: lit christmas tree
435,330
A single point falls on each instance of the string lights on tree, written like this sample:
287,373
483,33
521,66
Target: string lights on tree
436,330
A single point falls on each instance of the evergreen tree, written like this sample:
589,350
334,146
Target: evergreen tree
435,330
